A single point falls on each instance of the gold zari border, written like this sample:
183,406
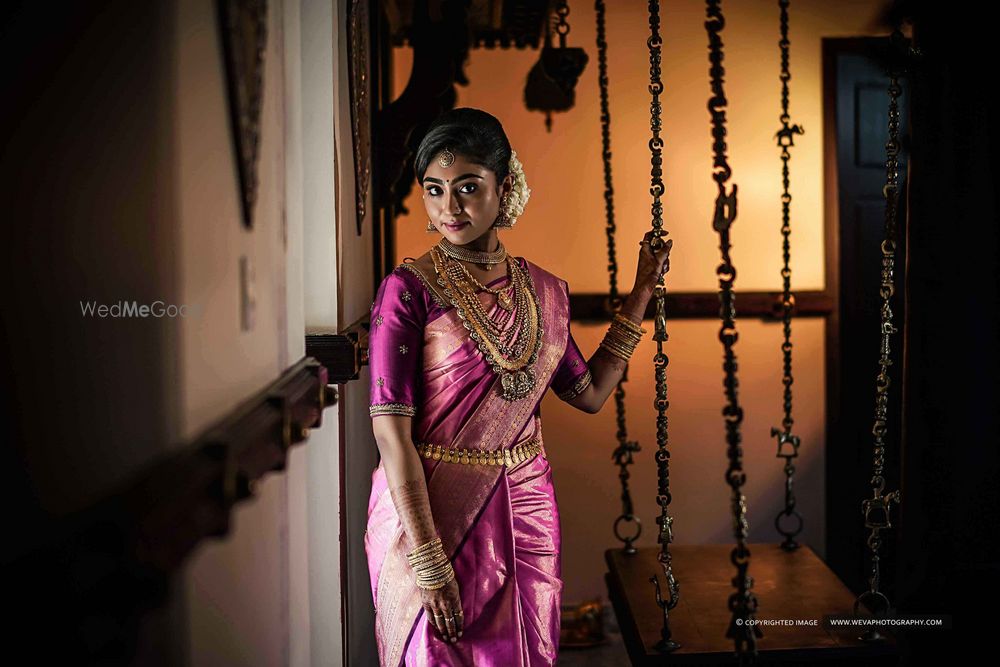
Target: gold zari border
584,380
392,409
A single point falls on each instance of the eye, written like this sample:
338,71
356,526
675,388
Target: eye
467,188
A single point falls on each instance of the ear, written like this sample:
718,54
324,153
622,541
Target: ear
507,185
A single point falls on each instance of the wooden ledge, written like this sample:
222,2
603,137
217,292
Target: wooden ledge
796,585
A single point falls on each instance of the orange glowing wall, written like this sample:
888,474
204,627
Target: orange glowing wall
563,230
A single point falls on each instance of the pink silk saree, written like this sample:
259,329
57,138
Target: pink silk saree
498,523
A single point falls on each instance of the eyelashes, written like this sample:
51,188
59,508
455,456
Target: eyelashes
465,189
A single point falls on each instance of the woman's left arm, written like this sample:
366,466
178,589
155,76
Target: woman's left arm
606,369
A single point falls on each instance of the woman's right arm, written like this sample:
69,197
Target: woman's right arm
404,474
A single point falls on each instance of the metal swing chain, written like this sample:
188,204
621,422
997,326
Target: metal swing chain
622,455
788,444
660,360
562,25
877,509
742,603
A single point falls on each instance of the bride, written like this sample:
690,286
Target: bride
463,538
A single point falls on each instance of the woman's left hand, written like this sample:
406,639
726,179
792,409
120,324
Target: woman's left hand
652,264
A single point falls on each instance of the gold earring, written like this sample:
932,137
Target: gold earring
503,220
430,226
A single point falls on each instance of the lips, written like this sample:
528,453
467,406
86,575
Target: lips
456,226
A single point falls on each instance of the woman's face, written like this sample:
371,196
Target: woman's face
462,200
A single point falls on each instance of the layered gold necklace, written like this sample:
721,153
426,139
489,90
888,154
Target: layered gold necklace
510,350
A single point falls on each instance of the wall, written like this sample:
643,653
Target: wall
565,174
237,592
120,172
354,299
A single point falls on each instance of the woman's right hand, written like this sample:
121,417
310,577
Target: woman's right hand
444,610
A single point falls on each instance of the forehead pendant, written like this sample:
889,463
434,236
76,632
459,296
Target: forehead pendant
446,158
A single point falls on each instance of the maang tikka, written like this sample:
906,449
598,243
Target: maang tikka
446,158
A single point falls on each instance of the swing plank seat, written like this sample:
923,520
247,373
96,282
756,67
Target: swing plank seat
795,585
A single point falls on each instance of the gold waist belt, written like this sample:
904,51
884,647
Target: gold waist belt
512,456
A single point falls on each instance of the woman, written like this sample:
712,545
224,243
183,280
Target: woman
463,528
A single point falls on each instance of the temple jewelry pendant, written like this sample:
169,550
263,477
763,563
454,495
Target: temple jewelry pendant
505,301
518,384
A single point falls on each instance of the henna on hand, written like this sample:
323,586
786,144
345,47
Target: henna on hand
414,509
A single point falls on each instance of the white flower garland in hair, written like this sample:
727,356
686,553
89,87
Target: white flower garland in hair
519,194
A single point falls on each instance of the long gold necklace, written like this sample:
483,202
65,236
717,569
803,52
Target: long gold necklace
512,355
504,294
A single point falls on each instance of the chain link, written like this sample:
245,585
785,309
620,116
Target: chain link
623,453
788,444
743,602
662,456
562,25
877,509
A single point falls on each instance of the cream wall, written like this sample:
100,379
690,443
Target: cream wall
236,589
563,230
251,599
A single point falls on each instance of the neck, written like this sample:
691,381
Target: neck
488,242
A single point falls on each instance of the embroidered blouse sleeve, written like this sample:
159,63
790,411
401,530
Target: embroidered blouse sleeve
572,375
395,345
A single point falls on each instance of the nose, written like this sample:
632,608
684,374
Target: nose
452,205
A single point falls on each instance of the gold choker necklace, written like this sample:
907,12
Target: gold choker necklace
473,256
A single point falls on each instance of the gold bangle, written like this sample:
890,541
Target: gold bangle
428,546
614,337
629,324
428,557
622,337
432,574
624,356
437,580
438,584
429,561
630,333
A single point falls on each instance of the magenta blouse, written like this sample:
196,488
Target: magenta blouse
402,307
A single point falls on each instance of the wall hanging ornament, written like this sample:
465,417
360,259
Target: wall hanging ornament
552,81
243,24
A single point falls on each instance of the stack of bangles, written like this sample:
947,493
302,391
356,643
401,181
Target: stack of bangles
431,564
623,336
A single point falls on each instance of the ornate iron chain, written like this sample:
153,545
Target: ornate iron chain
877,509
660,360
562,25
742,603
788,444
622,455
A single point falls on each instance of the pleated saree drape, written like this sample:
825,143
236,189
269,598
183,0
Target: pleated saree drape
498,523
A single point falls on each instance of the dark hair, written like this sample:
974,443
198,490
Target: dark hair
472,133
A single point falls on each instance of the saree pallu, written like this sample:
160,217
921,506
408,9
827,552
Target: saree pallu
498,523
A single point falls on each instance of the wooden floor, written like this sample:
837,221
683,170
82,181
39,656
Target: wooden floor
795,586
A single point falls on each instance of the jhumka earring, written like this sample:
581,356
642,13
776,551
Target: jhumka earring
503,220
430,227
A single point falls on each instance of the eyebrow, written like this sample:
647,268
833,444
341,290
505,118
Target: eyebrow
462,177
